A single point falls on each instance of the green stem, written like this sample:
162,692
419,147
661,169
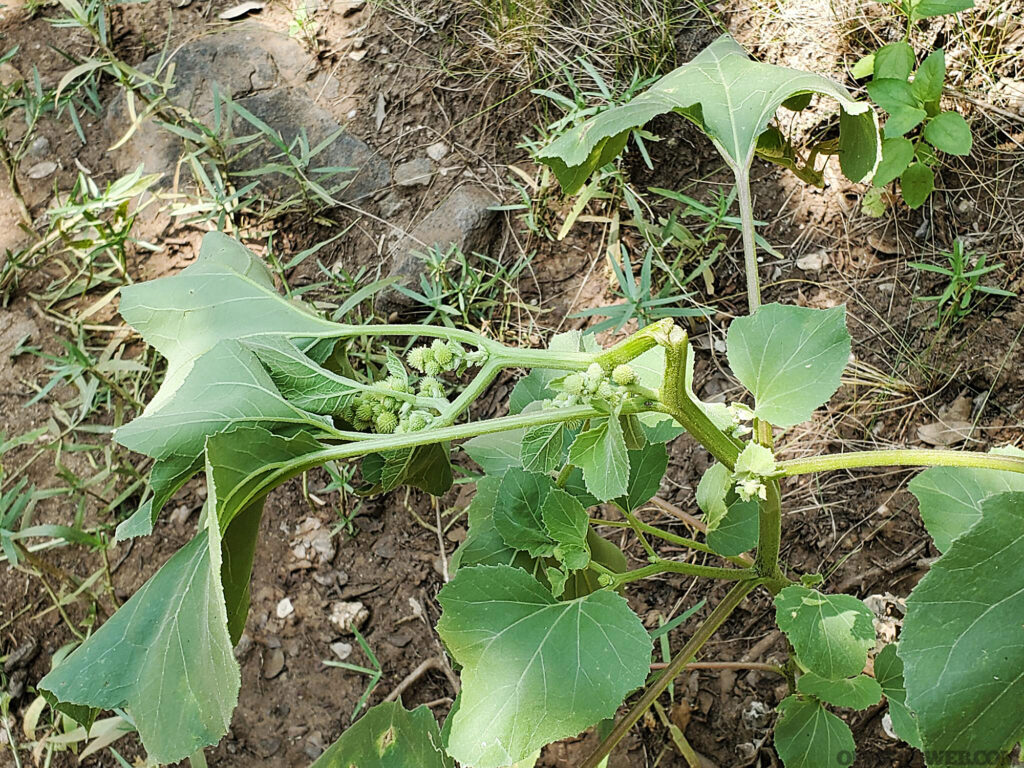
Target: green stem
749,243
475,388
633,346
655,531
704,632
769,540
687,569
276,473
902,457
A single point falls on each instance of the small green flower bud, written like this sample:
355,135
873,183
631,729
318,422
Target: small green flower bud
389,404
431,367
605,390
623,375
595,372
417,358
386,422
364,411
417,421
442,354
573,384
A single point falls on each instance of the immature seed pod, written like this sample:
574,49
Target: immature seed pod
364,411
416,421
386,422
389,404
442,354
623,375
417,358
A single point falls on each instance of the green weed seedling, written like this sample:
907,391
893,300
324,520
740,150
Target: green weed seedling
535,616
957,299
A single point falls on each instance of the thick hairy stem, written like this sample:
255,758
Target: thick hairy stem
909,457
749,244
677,403
769,540
704,632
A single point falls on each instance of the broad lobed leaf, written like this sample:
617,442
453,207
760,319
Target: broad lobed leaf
388,736
962,644
731,98
535,670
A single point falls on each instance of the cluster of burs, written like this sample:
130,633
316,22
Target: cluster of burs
398,412
594,384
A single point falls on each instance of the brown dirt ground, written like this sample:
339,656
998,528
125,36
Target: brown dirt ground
861,530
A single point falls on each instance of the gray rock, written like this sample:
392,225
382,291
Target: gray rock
463,219
415,172
263,71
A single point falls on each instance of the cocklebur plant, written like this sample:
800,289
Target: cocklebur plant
536,617
732,99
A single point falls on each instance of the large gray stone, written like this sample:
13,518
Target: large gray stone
263,71
463,219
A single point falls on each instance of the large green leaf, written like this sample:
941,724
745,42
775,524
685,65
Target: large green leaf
237,462
165,656
389,736
731,98
962,644
950,498
790,358
601,453
226,294
808,736
949,132
165,478
300,380
225,387
928,8
484,544
535,670
830,633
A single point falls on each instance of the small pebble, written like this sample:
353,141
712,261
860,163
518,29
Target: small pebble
273,664
285,608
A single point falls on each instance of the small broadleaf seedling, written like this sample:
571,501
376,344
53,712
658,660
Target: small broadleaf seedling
536,614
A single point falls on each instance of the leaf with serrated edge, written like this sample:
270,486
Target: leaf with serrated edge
731,98
601,453
962,644
808,736
388,736
858,692
830,633
566,522
790,358
646,469
517,514
165,655
534,670
543,447
950,498
889,674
